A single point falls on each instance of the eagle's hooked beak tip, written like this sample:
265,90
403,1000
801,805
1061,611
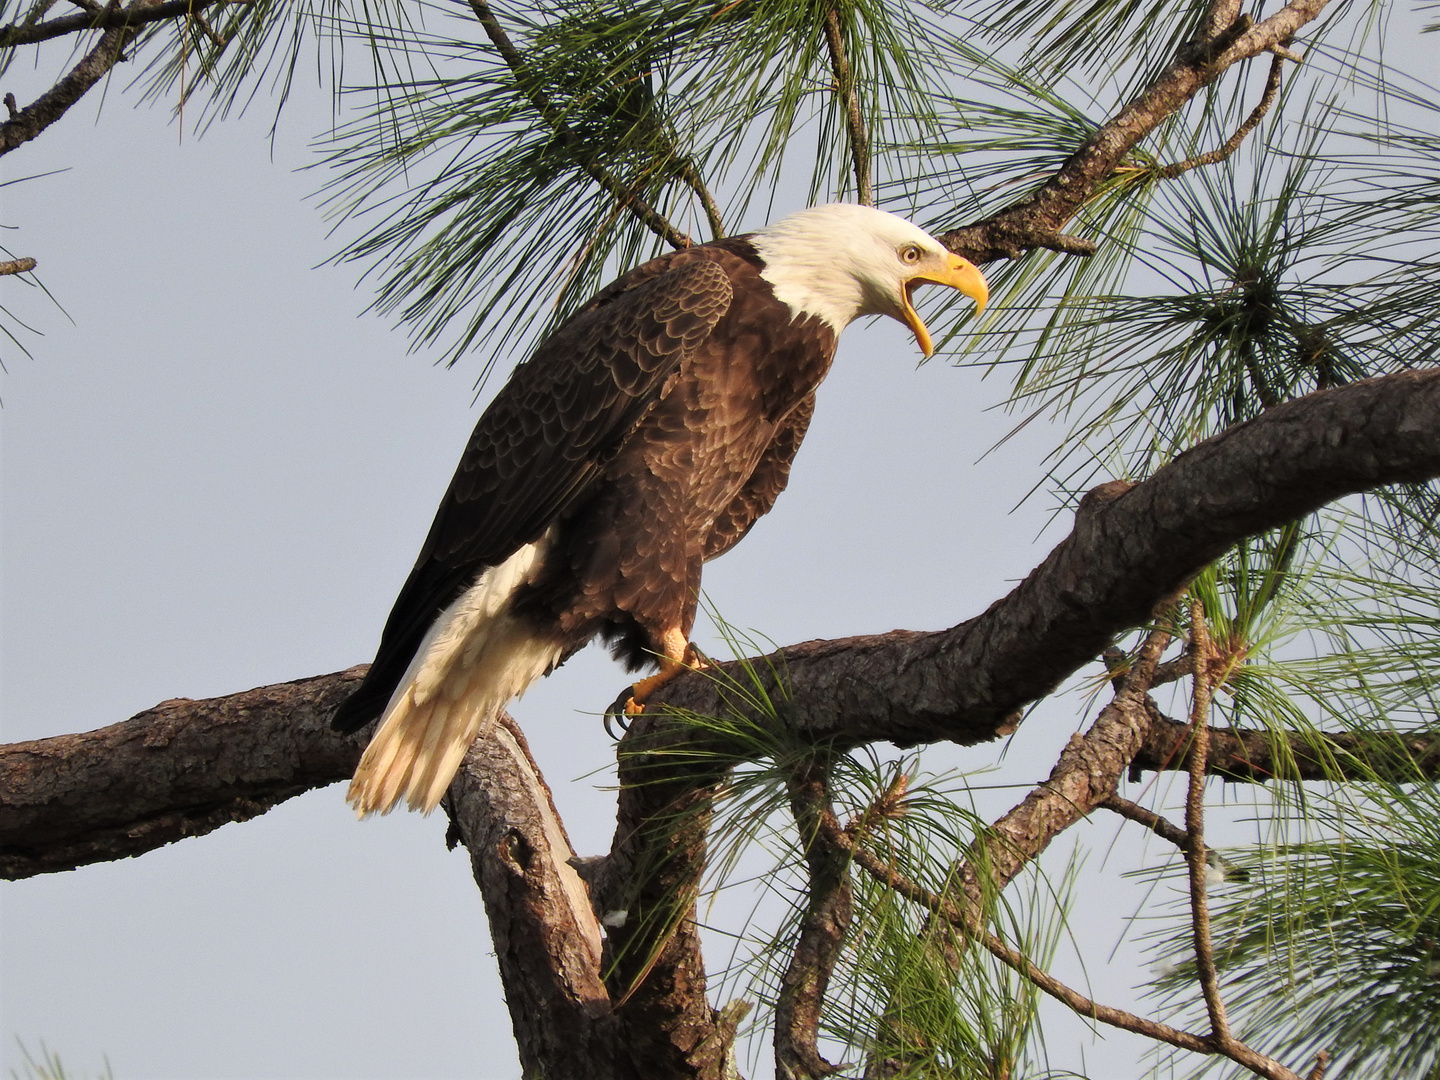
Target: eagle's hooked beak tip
959,274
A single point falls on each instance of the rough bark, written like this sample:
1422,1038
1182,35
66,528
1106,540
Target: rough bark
1087,773
108,18
180,769
649,883
547,938
830,905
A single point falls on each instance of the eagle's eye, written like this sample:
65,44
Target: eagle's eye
911,253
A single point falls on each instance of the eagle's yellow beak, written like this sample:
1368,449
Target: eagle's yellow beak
958,274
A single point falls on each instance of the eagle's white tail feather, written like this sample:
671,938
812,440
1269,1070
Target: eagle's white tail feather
475,658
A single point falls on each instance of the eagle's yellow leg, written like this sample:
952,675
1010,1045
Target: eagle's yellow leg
677,655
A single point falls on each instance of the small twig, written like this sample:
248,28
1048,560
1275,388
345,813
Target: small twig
1287,54
1202,650
1173,670
16,266
692,178
1170,671
1220,153
215,39
651,218
1318,1072
850,107
1161,826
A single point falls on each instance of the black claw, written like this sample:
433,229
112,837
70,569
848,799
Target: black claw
618,713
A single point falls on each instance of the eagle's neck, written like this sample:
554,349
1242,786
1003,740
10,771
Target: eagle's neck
807,277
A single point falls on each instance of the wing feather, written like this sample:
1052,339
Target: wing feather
765,484
545,438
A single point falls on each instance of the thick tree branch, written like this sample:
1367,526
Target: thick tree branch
180,769
1131,547
547,939
655,969
85,798
1036,221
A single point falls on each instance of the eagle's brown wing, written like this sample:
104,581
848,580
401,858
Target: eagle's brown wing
765,484
561,416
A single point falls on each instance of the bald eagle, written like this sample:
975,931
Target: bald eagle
643,437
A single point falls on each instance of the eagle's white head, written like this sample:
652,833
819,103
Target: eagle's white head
841,261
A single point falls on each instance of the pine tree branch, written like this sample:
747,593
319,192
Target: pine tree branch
1202,653
1087,773
29,122
1130,547
1037,220
655,969
180,769
1160,826
1263,756
547,938
106,18
967,921
850,109
1230,145
828,910
115,792
624,194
